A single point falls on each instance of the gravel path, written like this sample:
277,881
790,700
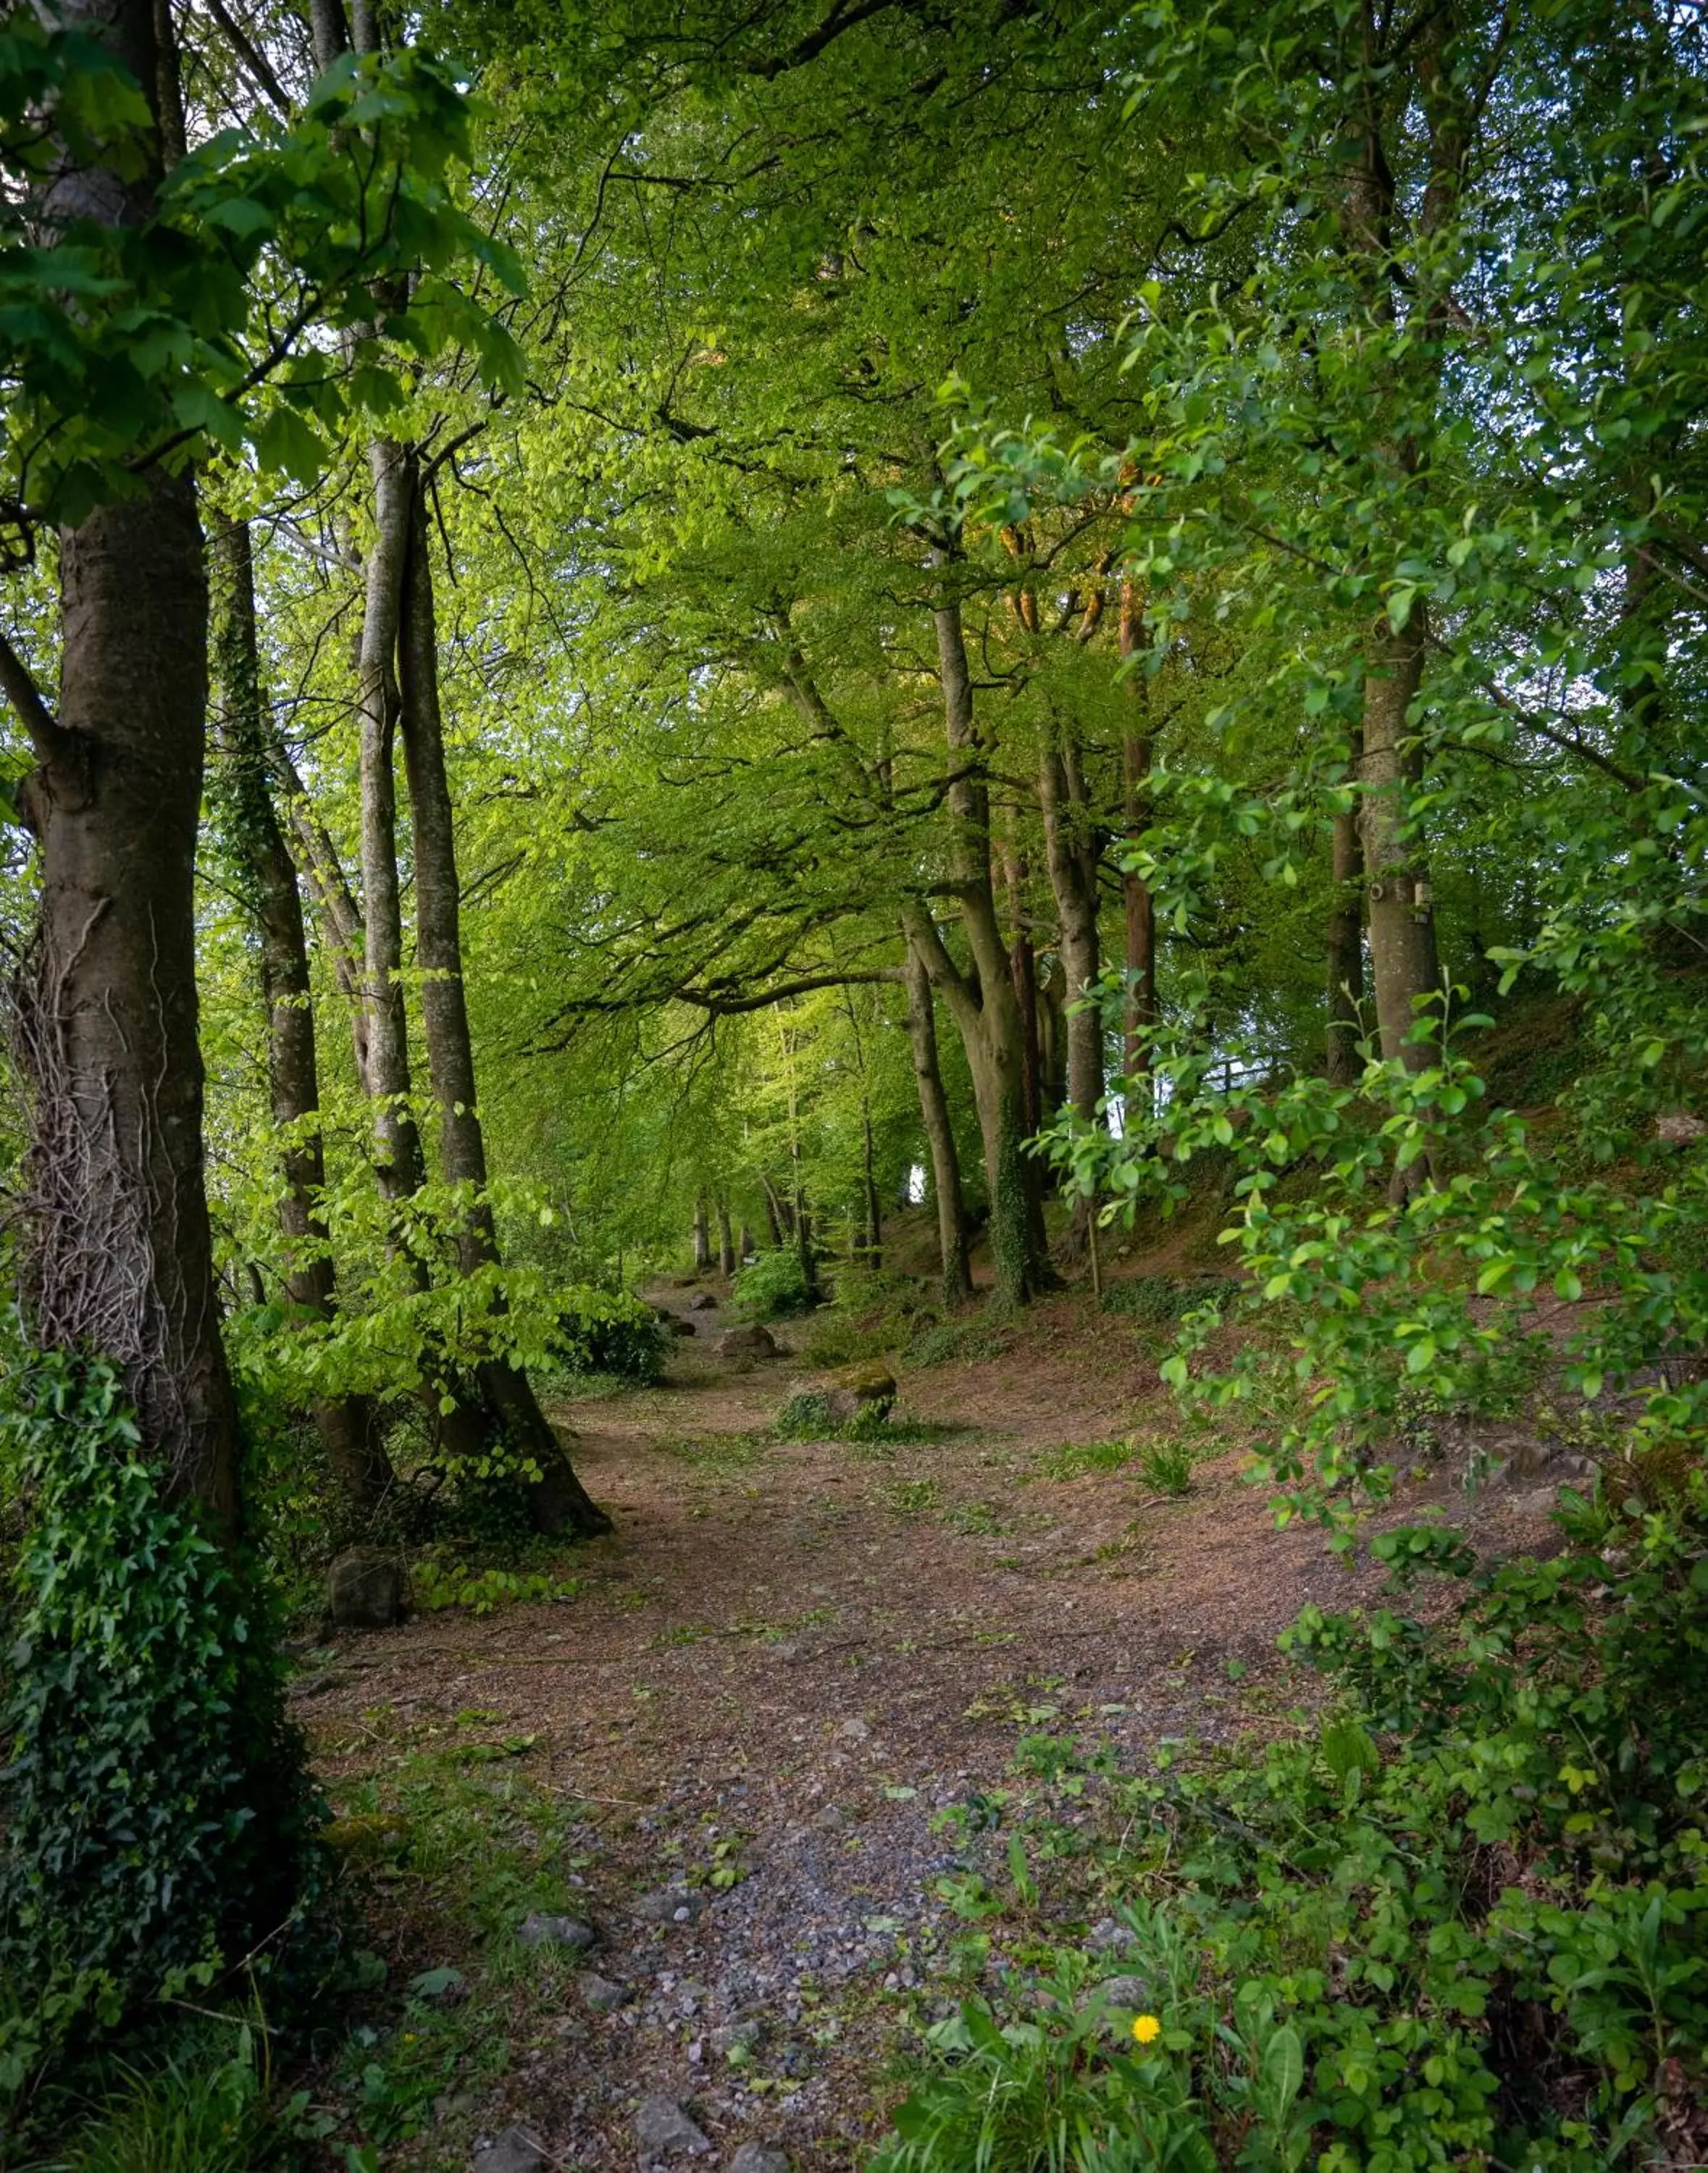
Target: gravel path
786,1665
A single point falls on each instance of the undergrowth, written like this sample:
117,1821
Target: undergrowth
1462,1920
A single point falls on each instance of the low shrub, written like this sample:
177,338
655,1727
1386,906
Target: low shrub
437,1585
967,1341
1159,1301
1075,1459
808,1416
600,1331
772,1287
1461,1920
1166,1465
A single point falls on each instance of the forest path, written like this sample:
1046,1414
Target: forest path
784,1661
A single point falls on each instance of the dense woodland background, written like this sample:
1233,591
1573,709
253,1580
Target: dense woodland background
862,649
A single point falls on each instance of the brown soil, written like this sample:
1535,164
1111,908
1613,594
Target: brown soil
804,1651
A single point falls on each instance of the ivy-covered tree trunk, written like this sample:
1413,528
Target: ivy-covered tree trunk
557,1499
266,875
120,1254
939,1130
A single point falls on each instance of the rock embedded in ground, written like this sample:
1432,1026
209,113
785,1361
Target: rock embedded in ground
758,2158
663,2131
1125,1992
856,1387
669,1905
702,1301
737,2037
751,1342
365,1589
601,1993
541,1930
514,2151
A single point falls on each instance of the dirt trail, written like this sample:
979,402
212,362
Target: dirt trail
796,1655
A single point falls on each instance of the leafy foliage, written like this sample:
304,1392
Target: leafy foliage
132,341
158,1825
1467,1916
772,1286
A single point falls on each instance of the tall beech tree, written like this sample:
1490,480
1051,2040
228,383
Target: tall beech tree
348,1424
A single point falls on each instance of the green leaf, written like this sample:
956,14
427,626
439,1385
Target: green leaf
1284,2067
285,441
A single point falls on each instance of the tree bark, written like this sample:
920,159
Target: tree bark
1345,950
1072,853
1138,909
1022,968
727,1261
118,1250
702,1237
984,1006
1402,920
349,1426
939,1132
556,1500
397,1141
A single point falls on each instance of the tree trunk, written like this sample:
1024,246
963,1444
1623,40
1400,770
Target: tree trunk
939,1132
727,1261
702,1237
1346,958
1139,913
1023,970
119,1255
1402,920
349,1426
557,1499
1052,1038
984,1006
874,1245
1072,854
1073,857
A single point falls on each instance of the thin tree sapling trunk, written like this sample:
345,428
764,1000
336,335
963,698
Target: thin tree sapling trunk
940,1131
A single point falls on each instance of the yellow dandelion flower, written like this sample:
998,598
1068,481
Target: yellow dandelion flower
1146,2028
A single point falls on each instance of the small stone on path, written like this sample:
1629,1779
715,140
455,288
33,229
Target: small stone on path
670,1907
702,1301
662,2130
514,2151
545,1931
758,2158
601,1993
